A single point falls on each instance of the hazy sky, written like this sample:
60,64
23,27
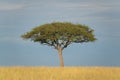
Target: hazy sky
19,16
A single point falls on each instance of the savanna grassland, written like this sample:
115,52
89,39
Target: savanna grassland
57,73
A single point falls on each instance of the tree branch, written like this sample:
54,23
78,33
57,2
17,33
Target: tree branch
66,44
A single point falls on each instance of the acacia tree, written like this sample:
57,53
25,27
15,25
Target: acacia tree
60,35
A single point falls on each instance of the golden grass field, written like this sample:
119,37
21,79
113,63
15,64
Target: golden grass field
57,73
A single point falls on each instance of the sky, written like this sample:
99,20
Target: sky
20,16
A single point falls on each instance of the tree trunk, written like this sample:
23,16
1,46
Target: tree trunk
60,57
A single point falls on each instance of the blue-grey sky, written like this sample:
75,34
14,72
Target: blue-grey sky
20,16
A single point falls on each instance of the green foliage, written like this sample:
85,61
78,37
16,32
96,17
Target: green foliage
60,34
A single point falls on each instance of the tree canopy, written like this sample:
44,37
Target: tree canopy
60,34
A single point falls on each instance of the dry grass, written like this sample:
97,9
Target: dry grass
56,73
